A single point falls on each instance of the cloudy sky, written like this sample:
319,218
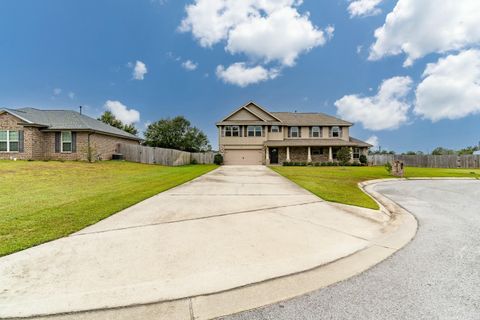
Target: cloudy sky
407,72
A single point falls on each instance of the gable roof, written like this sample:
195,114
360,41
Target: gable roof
256,114
66,120
285,118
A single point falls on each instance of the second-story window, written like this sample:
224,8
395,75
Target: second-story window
316,132
294,132
335,132
275,129
232,131
254,131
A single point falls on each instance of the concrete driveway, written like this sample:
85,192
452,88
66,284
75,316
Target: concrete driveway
232,227
436,276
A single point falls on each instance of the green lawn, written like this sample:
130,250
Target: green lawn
339,184
42,201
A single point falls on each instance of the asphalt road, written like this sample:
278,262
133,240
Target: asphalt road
436,276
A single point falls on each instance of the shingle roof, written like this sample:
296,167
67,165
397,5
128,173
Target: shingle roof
309,119
66,120
317,143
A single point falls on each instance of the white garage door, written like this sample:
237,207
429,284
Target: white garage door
243,157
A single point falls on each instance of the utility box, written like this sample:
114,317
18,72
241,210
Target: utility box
398,168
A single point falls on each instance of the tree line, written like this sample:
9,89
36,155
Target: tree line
438,151
172,133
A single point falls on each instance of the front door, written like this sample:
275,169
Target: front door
273,155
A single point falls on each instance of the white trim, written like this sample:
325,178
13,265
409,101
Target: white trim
62,142
256,115
8,141
15,115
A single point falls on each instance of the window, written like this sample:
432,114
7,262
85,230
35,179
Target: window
317,151
356,153
294,132
232,131
13,141
275,129
335,132
316,132
66,141
9,141
254,131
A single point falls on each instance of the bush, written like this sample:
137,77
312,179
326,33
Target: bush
388,167
363,159
344,155
218,159
193,161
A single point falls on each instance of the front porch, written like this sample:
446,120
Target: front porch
279,155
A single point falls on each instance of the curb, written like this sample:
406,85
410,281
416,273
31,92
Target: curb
399,229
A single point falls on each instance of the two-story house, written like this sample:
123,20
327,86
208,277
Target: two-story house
251,135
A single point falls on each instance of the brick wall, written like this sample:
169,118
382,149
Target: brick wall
33,139
40,145
102,146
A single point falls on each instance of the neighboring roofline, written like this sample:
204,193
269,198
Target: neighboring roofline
15,115
256,115
94,131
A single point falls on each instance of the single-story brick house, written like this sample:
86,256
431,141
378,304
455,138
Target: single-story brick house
33,134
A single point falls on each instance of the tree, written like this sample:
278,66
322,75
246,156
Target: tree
176,133
442,151
344,155
108,118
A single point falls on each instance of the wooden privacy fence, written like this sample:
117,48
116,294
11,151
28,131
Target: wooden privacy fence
167,157
428,161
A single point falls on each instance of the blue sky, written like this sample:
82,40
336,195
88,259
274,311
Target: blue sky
59,54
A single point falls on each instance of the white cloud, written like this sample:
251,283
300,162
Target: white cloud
364,8
241,75
266,31
189,65
388,109
71,95
280,36
450,88
139,70
122,112
57,91
418,28
374,141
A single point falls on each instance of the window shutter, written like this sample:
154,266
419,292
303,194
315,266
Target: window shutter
299,132
340,132
21,143
289,132
330,132
310,131
74,142
57,142
321,132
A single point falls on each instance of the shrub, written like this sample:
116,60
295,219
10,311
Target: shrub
218,159
193,161
344,155
388,167
363,159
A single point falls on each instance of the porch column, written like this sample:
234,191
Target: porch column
288,154
309,157
267,155
330,154
351,154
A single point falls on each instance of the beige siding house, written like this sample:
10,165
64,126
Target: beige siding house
33,134
251,135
